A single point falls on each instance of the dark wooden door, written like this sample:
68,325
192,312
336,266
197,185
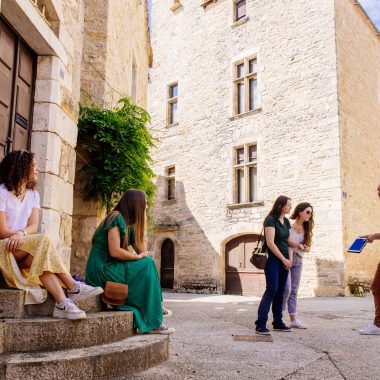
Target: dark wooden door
241,276
17,70
167,264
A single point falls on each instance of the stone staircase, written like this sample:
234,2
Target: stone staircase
103,346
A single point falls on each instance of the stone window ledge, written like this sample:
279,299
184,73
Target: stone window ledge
175,7
240,22
204,3
245,205
166,227
169,202
249,113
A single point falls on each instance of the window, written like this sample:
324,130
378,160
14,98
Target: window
239,9
170,183
134,81
245,173
245,84
173,104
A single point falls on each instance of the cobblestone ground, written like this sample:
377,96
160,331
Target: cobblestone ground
203,346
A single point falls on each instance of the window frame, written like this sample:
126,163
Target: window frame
170,101
170,177
246,80
245,167
235,11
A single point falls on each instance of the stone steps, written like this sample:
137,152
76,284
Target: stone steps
50,334
12,305
105,361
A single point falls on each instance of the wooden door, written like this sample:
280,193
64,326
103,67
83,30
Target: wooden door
167,264
17,71
241,276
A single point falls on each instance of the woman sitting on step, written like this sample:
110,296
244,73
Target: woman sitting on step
29,259
111,260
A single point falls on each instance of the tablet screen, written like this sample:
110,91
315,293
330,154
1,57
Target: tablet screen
357,245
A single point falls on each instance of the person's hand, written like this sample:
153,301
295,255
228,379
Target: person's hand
141,255
13,242
301,247
370,238
292,244
287,263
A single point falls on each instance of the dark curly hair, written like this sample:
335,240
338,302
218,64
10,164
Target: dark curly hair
15,168
309,225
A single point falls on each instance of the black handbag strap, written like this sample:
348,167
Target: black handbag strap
261,236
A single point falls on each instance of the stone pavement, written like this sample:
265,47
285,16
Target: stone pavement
203,346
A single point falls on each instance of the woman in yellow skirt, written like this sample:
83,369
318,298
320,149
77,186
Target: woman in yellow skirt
28,259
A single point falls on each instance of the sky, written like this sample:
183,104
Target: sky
372,7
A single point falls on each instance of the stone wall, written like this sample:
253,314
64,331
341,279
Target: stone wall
115,36
358,49
55,114
296,130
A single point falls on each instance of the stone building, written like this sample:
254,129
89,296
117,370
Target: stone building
54,54
250,100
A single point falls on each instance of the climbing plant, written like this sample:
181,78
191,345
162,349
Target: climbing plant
115,147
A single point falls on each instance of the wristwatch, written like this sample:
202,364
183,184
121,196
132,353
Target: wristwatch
23,232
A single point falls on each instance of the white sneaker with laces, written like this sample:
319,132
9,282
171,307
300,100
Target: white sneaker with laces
68,310
162,329
297,324
81,291
370,330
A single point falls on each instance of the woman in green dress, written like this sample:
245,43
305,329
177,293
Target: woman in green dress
110,260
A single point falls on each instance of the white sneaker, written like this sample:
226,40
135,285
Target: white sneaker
166,312
69,310
162,330
370,330
81,291
297,324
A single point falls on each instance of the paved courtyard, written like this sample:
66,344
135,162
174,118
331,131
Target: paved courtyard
203,346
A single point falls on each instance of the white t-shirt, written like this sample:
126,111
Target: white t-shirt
18,212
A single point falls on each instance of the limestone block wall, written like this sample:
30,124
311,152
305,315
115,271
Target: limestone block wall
55,114
358,50
296,130
115,37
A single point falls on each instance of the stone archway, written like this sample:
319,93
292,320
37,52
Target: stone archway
241,276
167,264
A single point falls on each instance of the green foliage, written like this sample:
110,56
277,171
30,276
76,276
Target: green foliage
116,145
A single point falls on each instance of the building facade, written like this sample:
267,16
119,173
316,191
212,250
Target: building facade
54,54
250,100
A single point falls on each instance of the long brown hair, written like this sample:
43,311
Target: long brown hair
131,206
279,203
16,168
307,225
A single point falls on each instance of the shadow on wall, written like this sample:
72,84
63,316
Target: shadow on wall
330,275
197,267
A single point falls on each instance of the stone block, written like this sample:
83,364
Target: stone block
48,67
11,303
67,163
47,90
47,147
65,229
50,224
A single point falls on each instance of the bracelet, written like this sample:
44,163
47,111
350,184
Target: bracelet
23,232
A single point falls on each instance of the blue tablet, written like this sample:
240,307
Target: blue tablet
357,245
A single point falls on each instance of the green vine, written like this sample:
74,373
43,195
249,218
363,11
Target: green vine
116,145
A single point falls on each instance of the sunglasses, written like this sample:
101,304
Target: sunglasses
309,212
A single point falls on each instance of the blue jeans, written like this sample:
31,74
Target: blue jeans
292,285
276,276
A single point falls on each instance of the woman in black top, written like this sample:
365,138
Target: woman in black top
277,231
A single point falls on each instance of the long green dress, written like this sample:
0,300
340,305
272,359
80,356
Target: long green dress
144,293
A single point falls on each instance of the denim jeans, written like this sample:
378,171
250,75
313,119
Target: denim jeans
276,276
292,285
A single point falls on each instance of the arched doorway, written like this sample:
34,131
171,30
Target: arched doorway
241,276
167,264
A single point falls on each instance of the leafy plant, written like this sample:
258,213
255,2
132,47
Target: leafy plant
116,145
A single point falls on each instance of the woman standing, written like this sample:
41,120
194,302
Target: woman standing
22,249
111,260
301,234
276,272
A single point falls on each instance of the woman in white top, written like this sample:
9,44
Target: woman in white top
28,259
301,233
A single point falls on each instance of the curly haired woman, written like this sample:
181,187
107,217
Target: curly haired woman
28,259
301,234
